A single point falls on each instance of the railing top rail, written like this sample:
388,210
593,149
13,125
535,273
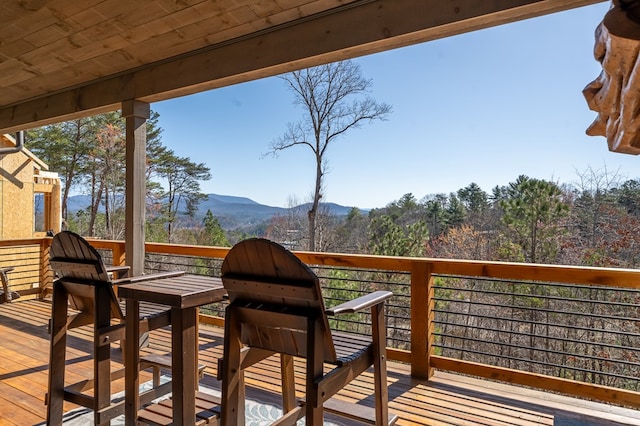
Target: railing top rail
612,277
23,241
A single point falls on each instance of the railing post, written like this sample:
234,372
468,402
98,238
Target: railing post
118,254
421,319
46,275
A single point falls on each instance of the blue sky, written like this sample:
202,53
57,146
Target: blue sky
481,107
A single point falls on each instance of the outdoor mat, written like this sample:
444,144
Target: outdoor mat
258,413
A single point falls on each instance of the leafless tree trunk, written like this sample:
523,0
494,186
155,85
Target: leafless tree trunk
334,98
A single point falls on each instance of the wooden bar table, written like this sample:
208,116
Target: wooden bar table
183,294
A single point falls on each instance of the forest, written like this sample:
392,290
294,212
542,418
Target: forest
592,223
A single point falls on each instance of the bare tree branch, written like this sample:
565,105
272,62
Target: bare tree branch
334,97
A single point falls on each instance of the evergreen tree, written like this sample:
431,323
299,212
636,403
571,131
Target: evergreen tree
476,204
214,234
533,216
182,177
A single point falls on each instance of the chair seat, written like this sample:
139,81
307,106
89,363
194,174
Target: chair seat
350,346
161,413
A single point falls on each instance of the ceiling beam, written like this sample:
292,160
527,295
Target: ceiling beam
356,29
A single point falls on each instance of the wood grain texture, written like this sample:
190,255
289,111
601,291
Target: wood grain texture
64,59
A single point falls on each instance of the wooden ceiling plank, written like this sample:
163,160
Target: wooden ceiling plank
99,48
13,10
102,31
366,28
171,6
192,37
8,72
195,36
309,8
15,48
206,11
199,14
111,9
87,18
47,35
242,14
264,9
46,59
26,24
148,31
225,19
140,16
285,16
53,14
70,8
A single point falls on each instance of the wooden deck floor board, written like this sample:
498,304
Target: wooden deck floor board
447,399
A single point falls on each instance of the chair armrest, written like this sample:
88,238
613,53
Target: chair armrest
118,271
150,277
360,303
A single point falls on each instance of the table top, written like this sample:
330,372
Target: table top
183,291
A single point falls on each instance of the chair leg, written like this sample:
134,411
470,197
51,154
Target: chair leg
315,359
380,364
102,356
232,381
57,356
288,383
6,295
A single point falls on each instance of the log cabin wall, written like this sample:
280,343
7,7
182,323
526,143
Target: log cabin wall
22,176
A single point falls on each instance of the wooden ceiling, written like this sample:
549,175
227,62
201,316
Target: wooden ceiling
61,59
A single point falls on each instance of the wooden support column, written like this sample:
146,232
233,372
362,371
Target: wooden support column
55,210
136,114
46,274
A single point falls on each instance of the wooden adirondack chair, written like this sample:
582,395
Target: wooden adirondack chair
276,306
6,295
84,284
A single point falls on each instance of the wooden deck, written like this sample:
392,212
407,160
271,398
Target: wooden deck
447,399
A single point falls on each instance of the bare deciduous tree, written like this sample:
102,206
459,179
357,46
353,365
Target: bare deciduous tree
335,100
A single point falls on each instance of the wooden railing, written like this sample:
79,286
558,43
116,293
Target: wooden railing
30,260
422,284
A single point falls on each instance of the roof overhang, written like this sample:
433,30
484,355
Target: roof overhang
43,89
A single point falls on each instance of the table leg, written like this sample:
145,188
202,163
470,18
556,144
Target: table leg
183,344
132,362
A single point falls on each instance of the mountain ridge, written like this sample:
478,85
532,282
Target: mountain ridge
231,211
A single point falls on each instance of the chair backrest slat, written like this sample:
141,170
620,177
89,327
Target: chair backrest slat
265,289
78,266
265,276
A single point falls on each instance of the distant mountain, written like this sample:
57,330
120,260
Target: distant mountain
334,209
230,199
232,212
78,202
228,205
